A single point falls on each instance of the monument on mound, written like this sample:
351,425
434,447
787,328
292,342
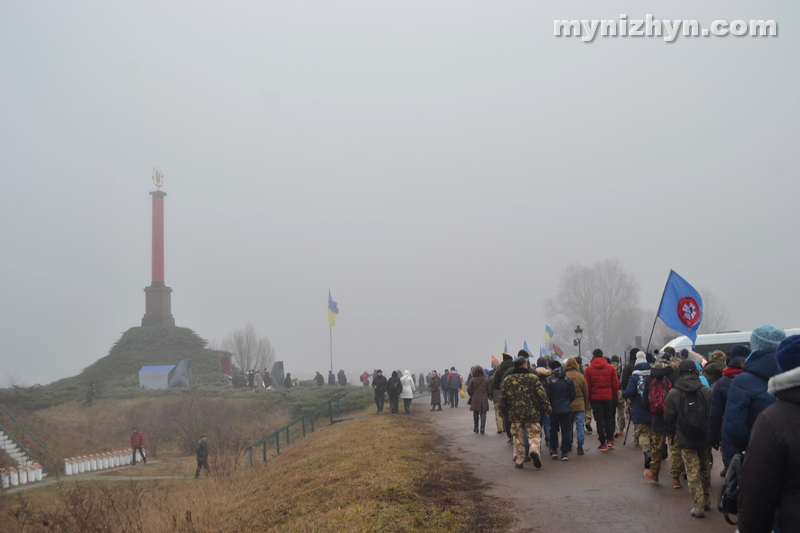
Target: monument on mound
158,297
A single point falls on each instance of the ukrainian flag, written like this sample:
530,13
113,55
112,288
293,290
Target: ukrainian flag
548,333
333,310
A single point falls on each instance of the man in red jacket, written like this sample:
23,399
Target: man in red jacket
137,443
603,383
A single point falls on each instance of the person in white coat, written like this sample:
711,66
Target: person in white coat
408,389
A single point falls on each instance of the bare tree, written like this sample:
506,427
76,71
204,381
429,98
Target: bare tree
715,316
603,300
248,351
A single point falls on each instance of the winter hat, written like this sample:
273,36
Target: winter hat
554,364
507,357
615,359
542,362
641,357
739,352
687,367
697,358
766,338
519,362
633,353
650,358
684,354
670,350
788,354
717,355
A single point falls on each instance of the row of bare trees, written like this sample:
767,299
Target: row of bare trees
604,300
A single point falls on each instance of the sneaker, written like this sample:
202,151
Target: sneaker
511,440
697,514
650,475
610,445
602,448
564,456
588,428
580,449
536,461
676,483
553,454
499,431
518,466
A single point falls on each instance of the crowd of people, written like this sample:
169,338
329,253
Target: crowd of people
681,406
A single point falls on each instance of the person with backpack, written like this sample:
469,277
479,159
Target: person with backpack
394,388
560,392
454,383
748,394
687,406
657,386
719,397
641,417
771,470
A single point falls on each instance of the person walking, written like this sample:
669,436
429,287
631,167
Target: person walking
445,387
436,392
89,395
660,381
579,405
421,386
522,400
560,391
394,388
342,378
506,364
454,383
642,417
287,382
137,443
202,456
331,378
770,482
319,379
379,384
719,398
480,391
687,406
365,378
409,387
603,385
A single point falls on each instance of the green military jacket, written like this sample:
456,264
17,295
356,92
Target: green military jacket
522,397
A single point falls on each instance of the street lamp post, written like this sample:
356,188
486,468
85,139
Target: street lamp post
578,337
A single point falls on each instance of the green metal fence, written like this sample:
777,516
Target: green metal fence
4,413
300,426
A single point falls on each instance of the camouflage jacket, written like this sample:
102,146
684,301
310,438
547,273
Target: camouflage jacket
522,397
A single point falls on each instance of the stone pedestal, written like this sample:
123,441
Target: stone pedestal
157,305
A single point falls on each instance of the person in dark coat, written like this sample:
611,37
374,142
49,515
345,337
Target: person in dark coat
379,384
393,389
454,383
480,391
560,391
421,382
331,378
443,384
628,369
641,417
771,471
497,378
713,369
747,395
435,388
202,456
342,378
660,431
319,380
719,398
287,382
696,451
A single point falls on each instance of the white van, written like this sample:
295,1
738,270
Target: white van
717,341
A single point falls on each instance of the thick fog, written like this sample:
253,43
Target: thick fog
435,164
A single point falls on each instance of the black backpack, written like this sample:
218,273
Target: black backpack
694,415
729,491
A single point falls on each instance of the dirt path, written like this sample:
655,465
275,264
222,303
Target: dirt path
600,491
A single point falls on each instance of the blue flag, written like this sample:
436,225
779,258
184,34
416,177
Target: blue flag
525,347
681,306
333,310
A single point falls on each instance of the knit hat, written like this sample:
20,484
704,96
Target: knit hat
641,357
687,367
670,350
542,362
766,338
717,355
684,354
519,362
738,352
554,364
788,354
615,359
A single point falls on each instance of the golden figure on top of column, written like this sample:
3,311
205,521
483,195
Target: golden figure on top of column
158,178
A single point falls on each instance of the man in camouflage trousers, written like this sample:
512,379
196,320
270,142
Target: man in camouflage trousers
696,450
523,400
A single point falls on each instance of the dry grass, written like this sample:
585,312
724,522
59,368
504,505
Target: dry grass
378,473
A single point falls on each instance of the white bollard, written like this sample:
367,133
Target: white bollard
5,482
129,456
104,457
37,472
68,467
13,476
23,475
92,463
81,464
116,458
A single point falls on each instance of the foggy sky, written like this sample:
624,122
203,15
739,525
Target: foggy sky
435,164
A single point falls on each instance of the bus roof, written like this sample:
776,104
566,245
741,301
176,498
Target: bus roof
716,339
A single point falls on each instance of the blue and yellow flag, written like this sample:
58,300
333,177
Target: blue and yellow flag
548,333
333,310
525,347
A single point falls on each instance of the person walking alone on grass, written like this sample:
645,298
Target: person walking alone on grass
409,387
379,384
436,393
603,385
137,443
202,456
480,391
522,400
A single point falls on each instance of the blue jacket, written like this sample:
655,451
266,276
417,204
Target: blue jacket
747,397
640,414
719,398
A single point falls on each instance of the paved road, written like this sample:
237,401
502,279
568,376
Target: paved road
600,491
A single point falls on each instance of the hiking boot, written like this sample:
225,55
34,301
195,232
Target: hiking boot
527,459
650,475
482,431
588,428
518,466
707,506
610,445
475,429
676,483
580,449
602,448
697,514
536,461
499,431
564,456
647,458
553,454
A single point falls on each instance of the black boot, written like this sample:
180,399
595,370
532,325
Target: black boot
483,423
475,419
647,457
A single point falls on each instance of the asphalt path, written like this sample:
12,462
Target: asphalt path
599,491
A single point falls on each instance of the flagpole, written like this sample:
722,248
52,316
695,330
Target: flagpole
330,327
658,312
